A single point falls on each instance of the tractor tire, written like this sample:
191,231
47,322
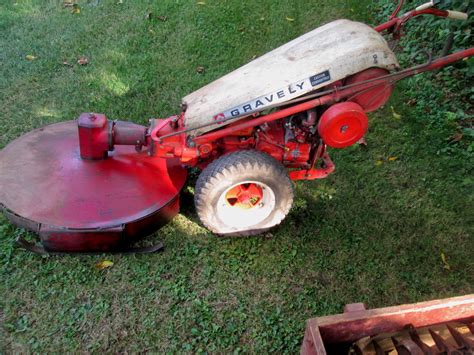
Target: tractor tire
243,193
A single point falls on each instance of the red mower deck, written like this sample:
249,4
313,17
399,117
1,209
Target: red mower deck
47,188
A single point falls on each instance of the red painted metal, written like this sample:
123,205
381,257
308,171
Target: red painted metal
244,196
85,204
93,136
397,10
333,97
359,323
314,173
396,23
128,133
209,137
343,124
97,136
370,100
174,146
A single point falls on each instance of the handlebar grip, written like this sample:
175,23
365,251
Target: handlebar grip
457,15
425,6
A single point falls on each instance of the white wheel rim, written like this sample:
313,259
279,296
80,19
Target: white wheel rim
241,219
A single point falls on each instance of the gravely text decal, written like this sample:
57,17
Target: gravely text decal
266,101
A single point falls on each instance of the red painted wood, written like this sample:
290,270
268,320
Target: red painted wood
354,325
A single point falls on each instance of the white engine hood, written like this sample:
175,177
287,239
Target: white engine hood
316,59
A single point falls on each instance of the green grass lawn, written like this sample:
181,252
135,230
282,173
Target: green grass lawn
372,232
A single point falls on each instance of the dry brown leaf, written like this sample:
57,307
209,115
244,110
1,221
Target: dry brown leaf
456,137
411,102
83,60
378,162
392,158
30,57
200,69
68,3
162,18
362,142
291,19
104,264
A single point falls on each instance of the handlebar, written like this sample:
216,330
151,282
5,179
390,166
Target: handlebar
425,6
457,15
394,24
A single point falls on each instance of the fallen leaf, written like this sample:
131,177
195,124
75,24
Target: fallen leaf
394,114
392,158
68,3
104,264
30,57
201,3
200,69
445,262
75,9
66,63
378,162
411,102
83,61
362,142
456,137
162,18
291,19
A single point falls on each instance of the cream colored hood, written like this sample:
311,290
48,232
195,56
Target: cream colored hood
316,59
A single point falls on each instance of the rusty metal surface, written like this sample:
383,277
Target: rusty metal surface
45,185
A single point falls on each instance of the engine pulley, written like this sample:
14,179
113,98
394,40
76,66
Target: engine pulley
343,124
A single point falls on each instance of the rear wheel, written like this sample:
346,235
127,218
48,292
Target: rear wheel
243,193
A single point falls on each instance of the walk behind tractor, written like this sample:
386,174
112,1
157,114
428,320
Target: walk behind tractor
95,185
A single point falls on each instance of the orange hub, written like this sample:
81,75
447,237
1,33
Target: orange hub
244,196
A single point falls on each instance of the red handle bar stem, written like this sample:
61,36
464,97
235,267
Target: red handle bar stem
398,21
